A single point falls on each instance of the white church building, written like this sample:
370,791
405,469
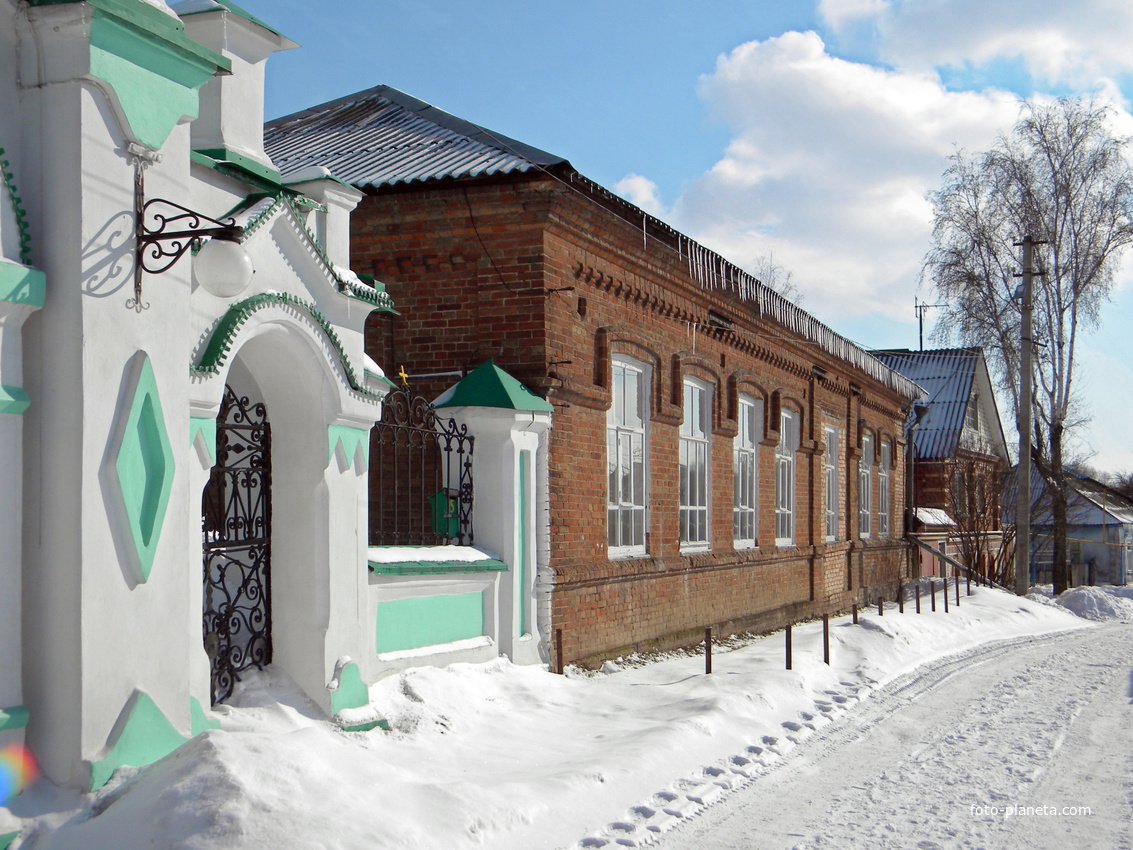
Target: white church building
186,407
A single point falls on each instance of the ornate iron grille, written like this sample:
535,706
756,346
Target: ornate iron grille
237,545
420,476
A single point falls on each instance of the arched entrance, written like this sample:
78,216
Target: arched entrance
237,544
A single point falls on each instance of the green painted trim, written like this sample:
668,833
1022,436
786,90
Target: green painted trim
424,568
351,438
142,735
13,717
13,400
490,386
148,19
429,620
200,722
381,379
243,13
244,163
207,426
236,173
145,467
19,211
20,284
524,516
220,343
361,727
350,693
154,99
6,840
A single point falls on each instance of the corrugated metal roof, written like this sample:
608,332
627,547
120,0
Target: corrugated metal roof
384,137
947,375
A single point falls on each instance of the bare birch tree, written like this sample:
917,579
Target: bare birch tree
1060,176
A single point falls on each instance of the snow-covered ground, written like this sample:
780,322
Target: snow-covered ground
499,756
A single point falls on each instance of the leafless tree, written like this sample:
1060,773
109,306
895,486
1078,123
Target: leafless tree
1061,177
778,278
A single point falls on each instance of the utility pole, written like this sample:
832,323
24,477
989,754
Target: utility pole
1023,420
919,307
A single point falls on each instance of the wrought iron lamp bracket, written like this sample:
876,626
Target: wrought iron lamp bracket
174,230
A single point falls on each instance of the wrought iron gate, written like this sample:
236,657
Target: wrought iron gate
237,544
420,476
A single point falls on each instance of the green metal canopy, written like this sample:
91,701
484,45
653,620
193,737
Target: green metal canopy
490,386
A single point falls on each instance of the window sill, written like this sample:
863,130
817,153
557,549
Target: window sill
625,554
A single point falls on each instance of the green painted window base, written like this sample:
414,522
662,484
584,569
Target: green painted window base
5,840
429,620
15,717
424,568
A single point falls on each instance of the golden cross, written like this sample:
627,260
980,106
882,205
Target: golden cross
404,376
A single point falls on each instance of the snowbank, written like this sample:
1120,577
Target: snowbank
501,756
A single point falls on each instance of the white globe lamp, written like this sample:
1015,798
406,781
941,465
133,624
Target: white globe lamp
223,268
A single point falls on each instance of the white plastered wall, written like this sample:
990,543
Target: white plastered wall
502,436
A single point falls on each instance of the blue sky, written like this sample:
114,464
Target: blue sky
806,131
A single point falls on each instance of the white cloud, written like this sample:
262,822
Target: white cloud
1081,43
841,13
828,168
642,192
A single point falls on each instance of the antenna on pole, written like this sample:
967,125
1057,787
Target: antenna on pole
919,307
1024,294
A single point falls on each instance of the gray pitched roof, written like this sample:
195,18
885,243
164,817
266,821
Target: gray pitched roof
947,375
383,137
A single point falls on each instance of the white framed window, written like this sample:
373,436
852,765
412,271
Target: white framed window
785,478
883,468
626,458
865,487
745,472
694,455
833,441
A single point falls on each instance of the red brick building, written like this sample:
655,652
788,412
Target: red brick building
717,456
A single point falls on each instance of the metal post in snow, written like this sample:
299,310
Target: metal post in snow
957,591
559,650
918,597
901,599
881,606
932,593
826,639
708,650
945,594
855,610
788,646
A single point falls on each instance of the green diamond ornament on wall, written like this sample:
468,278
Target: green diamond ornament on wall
143,465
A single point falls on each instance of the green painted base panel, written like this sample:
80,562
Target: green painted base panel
5,840
144,735
429,620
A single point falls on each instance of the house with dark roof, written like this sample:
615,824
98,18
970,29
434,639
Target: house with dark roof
1099,530
716,456
958,453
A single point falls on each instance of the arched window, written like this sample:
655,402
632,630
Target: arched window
626,457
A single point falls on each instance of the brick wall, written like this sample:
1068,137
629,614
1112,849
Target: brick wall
552,285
